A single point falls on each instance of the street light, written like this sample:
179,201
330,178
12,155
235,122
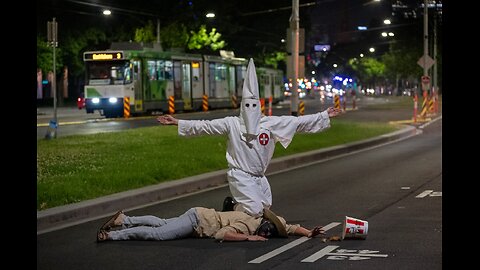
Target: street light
108,12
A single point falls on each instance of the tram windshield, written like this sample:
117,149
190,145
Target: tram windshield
108,72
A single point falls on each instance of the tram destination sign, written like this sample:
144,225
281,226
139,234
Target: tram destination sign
99,56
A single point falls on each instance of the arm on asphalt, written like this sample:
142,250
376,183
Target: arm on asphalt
309,233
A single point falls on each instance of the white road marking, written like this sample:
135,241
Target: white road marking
342,255
324,251
424,194
290,245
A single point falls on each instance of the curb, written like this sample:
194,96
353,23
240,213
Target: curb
65,216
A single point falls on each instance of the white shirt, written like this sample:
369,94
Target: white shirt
254,156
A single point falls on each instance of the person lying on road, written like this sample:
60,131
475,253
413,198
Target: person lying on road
201,222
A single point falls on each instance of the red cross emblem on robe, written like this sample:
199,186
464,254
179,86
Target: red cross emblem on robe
263,138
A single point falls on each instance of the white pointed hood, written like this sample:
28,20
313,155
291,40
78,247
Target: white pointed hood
250,111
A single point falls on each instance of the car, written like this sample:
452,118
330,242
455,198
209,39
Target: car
80,102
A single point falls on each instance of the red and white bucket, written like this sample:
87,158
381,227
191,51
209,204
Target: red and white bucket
354,228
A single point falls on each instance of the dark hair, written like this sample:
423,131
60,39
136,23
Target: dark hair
266,229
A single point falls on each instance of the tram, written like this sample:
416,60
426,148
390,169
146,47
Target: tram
148,80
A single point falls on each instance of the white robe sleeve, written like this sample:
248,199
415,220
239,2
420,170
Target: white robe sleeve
203,127
284,128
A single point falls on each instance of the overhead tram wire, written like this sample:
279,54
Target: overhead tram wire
277,9
131,11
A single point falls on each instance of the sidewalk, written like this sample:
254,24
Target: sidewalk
69,215
45,114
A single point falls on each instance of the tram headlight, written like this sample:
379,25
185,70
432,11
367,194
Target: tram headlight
95,100
113,100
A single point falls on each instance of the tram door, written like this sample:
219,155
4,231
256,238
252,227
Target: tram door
177,80
211,80
197,81
187,86
137,85
240,76
231,81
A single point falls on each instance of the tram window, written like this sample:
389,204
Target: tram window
127,72
168,70
135,70
98,74
118,75
152,70
278,80
220,72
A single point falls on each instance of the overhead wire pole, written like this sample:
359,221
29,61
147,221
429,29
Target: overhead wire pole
435,74
294,26
52,40
425,42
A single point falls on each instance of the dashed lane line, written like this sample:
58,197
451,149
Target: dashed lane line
290,245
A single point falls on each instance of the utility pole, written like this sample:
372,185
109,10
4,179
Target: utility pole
159,44
425,61
435,71
294,26
425,43
52,34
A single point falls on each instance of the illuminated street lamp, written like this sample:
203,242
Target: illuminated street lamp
107,12
210,15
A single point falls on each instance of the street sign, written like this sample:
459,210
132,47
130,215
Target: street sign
425,79
425,84
425,60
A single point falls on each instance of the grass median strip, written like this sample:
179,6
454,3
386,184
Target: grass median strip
77,168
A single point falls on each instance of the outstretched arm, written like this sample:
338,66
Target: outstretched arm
332,111
167,119
309,233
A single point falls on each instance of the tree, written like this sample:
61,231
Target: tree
45,56
274,59
203,41
369,70
401,64
145,34
174,35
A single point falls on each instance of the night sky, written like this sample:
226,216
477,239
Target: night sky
248,26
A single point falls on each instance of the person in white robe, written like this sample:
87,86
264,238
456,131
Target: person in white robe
251,142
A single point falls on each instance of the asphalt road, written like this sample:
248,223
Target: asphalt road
73,121
396,187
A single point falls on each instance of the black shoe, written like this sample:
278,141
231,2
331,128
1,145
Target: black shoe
102,235
228,204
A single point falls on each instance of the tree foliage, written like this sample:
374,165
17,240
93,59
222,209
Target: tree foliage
174,35
273,59
77,43
146,34
401,62
368,69
45,56
202,40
